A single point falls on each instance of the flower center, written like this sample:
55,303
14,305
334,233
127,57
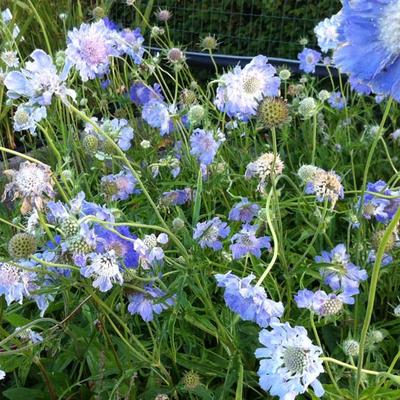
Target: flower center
21,117
94,50
9,275
150,241
331,306
108,266
246,240
29,181
390,28
295,359
211,234
251,84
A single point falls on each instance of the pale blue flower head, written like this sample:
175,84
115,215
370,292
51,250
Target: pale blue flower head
289,363
158,115
120,186
246,242
150,252
209,233
203,146
244,211
337,101
38,81
249,301
241,89
327,33
26,117
308,60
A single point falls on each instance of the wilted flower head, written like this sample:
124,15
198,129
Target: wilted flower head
250,302
29,334
148,302
241,90
308,60
32,183
289,362
246,242
266,166
326,186
38,81
210,233
175,55
339,272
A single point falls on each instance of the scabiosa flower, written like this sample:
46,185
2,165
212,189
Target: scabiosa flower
29,334
129,42
326,186
177,197
26,118
140,94
307,172
386,260
150,253
121,242
289,362
308,60
203,146
89,49
10,58
32,183
307,107
104,269
321,303
371,32
148,303
250,302
246,242
14,283
327,33
241,90
158,115
337,101
210,233
244,211
383,209
339,272
38,81
119,186
358,86
266,166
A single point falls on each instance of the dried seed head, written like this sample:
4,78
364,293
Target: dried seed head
98,13
175,55
209,43
273,112
191,380
90,143
377,238
163,15
351,347
21,245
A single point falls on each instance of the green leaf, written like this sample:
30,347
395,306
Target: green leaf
24,394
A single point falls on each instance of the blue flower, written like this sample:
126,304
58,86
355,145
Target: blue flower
358,86
150,253
177,197
339,272
141,94
158,115
39,81
241,90
245,242
148,303
203,146
386,260
250,302
210,233
383,209
244,211
26,117
369,48
289,362
119,186
337,101
308,60
327,33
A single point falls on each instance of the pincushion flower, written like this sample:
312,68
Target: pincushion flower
129,42
26,117
140,94
246,242
209,233
119,186
39,81
177,197
327,33
149,250
240,90
289,362
32,183
89,49
14,283
339,272
308,60
203,146
249,301
371,31
337,101
159,115
244,211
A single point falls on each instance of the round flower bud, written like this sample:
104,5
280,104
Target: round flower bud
396,311
307,172
307,107
69,227
156,31
377,239
67,174
188,97
62,16
90,143
303,41
191,380
324,95
76,244
351,347
21,245
331,307
60,58
98,13
273,112
178,224
83,102
175,55
209,43
284,74
376,336
145,144
196,114
163,15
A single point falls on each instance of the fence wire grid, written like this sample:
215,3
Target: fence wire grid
246,27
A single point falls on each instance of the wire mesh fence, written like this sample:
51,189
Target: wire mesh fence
247,27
